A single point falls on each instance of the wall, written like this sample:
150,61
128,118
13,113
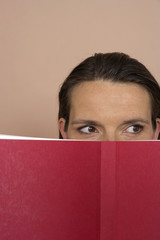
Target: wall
42,40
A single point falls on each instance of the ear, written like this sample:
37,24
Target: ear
157,131
61,124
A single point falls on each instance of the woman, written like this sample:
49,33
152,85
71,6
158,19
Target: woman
109,97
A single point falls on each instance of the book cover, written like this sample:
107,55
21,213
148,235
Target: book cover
79,190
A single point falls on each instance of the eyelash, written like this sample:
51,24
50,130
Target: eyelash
140,127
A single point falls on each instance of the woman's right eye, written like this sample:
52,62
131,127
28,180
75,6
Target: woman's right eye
88,129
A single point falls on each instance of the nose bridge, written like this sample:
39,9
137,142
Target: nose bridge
110,135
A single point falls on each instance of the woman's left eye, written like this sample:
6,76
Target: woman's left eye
134,129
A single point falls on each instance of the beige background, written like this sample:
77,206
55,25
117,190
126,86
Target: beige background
42,40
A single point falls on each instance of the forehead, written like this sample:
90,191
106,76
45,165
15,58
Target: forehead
100,97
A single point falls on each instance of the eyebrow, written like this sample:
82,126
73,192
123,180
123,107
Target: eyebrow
86,122
91,122
135,120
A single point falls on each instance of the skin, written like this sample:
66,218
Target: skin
107,111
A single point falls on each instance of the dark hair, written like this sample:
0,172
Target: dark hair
115,67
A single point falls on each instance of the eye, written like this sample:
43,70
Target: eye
88,129
134,129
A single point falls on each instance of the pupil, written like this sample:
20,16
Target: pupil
90,129
136,128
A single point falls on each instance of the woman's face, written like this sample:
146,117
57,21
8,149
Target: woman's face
107,111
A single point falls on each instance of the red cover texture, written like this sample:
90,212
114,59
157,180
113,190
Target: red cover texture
75,190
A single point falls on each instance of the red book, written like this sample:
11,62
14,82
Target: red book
76,190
